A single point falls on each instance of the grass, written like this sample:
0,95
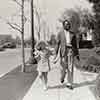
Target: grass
89,60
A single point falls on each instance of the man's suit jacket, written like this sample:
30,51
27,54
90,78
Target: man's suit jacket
61,38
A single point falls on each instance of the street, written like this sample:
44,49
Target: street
10,59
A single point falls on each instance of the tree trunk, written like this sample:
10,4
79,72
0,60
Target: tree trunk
32,59
22,38
32,27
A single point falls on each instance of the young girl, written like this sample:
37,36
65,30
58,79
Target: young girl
43,64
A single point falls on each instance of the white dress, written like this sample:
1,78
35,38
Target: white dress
57,64
43,64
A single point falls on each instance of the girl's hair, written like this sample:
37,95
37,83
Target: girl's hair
40,45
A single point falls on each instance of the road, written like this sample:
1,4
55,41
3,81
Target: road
10,59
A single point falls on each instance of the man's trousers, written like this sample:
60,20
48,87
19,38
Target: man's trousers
67,66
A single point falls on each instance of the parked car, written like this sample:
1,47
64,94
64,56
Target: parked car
9,45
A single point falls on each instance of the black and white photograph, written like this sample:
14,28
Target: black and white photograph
49,49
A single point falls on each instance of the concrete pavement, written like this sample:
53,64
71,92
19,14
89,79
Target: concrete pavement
84,87
15,84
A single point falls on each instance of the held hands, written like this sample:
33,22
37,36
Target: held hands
55,59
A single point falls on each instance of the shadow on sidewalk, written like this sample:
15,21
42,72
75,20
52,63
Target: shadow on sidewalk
93,90
15,84
85,83
57,86
75,85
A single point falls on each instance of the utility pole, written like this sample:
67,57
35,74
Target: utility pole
22,37
32,32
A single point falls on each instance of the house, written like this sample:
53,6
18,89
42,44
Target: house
87,36
86,40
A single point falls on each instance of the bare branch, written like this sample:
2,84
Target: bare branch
17,3
14,27
39,19
11,24
26,19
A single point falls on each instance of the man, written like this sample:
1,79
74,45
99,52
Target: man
66,42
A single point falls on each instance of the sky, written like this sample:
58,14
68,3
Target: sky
7,8
51,9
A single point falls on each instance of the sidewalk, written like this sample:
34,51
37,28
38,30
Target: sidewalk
84,87
15,84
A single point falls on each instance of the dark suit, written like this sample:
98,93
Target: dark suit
61,40
64,50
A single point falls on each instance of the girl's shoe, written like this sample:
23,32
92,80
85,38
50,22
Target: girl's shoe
62,81
70,86
45,88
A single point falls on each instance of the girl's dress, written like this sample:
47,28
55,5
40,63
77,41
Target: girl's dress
55,63
43,64
52,57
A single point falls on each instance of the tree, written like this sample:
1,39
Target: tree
87,22
19,28
72,16
82,20
22,37
38,16
41,25
87,19
96,9
22,33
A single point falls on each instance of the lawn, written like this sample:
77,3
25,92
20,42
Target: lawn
89,60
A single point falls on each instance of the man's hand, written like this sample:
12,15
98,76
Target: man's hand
78,57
